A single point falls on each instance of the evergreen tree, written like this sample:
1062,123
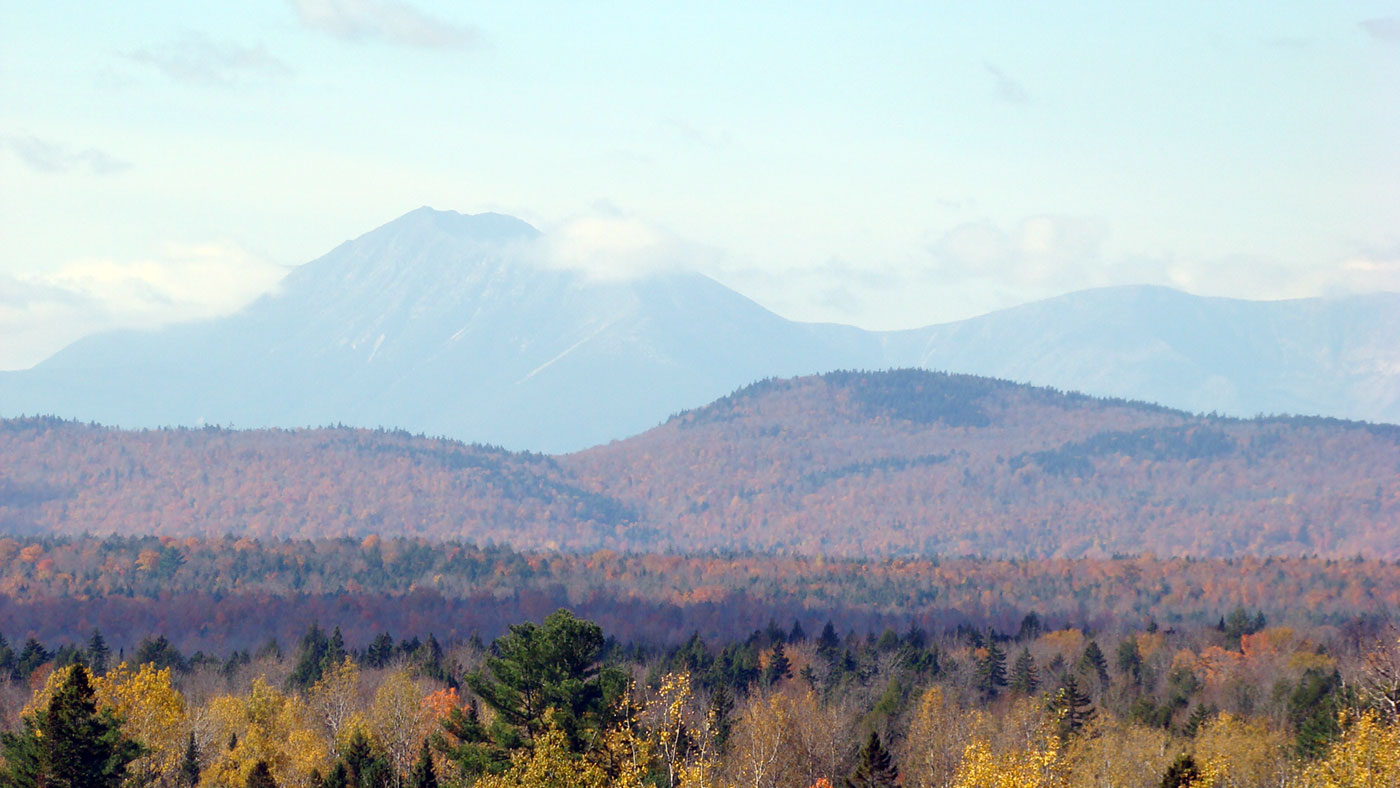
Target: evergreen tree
261,776
1312,708
31,657
338,778
550,666
1024,679
69,743
991,669
8,663
1073,707
876,767
828,642
471,748
797,634
311,658
381,651
97,653
1182,773
1199,716
423,775
189,764
722,712
779,667
1093,663
1130,659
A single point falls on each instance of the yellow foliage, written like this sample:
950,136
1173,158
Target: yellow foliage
1039,767
552,765
1114,753
1069,642
270,726
1368,754
1233,752
153,713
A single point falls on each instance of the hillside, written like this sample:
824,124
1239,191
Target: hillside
447,324
889,463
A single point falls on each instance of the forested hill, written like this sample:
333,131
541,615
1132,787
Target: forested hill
849,463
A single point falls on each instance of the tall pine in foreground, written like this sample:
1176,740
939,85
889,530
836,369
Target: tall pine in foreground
1072,706
69,743
876,767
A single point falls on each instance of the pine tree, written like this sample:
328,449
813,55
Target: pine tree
1093,662
876,767
1024,679
991,669
261,776
721,712
1130,659
189,764
1073,707
423,775
828,642
97,653
1198,717
779,667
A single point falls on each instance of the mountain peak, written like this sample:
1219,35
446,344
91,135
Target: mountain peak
481,227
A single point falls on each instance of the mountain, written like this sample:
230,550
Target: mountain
898,463
446,324
1320,356
439,323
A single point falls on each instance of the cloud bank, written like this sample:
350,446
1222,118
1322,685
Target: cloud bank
41,313
197,59
47,156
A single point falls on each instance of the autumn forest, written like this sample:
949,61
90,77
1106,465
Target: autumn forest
859,579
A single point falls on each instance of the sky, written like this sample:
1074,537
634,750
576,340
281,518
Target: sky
888,165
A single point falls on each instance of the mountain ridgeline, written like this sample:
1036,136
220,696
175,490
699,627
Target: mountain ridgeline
897,463
454,325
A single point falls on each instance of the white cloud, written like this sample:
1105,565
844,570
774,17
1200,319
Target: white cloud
616,248
40,313
197,59
396,23
48,156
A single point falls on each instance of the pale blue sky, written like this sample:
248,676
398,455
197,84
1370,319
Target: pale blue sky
886,164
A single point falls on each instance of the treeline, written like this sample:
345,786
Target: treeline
900,463
1243,702
207,593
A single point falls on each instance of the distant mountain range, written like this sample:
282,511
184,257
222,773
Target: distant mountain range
439,323
905,462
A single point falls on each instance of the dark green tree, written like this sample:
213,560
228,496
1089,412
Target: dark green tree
1092,662
338,778
875,768
990,676
722,709
1072,706
261,776
380,651
189,764
423,775
551,666
469,744
1198,717
1130,659
1024,678
311,657
1182,773
97,653
778,667
69,743
1312,709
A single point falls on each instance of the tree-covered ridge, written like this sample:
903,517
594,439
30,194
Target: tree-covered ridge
208,593
903,463
560,703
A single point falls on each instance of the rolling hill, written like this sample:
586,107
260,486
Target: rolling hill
905,462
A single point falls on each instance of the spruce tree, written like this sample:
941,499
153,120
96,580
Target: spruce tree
97,653
1198,717
991,669
69,743
1073,707
779,667
338,778
1093,662
422,775
1024,679
189,764
876,767
1130,659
